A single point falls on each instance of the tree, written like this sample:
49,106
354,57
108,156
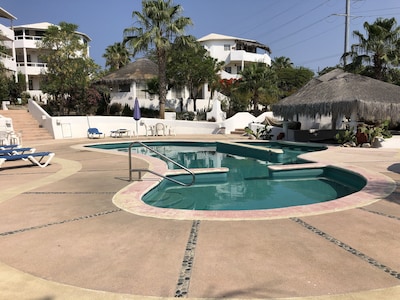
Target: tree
117,56
379,49
189,65
67,76
281,62
260,81
290,80
158,24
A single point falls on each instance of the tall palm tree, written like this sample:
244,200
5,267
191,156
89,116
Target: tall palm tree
158,25
116,56
380,48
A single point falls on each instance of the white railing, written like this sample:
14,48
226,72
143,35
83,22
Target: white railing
28,37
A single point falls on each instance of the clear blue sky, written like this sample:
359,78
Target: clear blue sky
309,32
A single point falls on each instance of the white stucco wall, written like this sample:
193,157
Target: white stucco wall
76,126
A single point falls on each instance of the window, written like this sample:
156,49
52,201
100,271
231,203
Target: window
124,88
239,69
141,88
227,47
228,69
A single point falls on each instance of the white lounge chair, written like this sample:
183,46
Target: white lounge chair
35,158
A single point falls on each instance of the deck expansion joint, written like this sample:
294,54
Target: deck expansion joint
182,287
60,222
348,248
380,213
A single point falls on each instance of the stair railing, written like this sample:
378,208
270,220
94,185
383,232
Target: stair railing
153,172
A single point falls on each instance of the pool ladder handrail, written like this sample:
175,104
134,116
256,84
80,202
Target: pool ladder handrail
153,172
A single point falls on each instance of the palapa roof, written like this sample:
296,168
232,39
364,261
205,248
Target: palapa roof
139,70
338,93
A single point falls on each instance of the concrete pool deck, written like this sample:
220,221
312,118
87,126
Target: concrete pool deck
61,237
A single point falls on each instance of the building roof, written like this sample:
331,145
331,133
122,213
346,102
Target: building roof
44,26
339,93
6,15
221,37
141,69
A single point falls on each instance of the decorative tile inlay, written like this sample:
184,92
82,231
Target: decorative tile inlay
348,248
380,213
182,288
61,222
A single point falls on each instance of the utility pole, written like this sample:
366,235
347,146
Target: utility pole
346,31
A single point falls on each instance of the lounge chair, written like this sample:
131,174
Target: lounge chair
5,147
94,133
35,158
16,151
120,132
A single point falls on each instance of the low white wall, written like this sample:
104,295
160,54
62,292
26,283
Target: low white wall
76,126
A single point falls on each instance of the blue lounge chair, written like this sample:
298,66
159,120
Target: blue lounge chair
94,132
15,151
5,147
35,158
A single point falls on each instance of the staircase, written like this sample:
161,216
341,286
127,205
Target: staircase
24,123
240,131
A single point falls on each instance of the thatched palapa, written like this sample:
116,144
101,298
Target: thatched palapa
339,94
141,70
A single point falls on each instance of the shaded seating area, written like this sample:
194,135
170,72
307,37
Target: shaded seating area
93,133
41,159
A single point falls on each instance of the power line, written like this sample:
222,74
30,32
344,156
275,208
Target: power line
298,17
301,29
273,17
310,38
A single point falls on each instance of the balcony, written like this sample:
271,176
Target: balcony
6,33
239,56
8,62
27,41
31,68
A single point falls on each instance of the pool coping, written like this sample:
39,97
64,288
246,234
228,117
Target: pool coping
129,199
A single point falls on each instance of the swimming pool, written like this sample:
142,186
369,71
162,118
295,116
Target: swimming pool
252,182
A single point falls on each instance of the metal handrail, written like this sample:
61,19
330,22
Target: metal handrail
153,172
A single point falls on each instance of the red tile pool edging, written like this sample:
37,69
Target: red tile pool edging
129,199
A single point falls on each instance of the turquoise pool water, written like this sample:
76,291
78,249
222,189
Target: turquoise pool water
249,184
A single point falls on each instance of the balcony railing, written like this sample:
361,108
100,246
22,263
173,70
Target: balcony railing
28,37
241,55
32,64
8,62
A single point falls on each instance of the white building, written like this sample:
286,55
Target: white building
7,40
236,53
27,54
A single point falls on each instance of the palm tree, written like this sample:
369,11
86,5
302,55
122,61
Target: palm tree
260,81
116,56
159,24
281,62
379,48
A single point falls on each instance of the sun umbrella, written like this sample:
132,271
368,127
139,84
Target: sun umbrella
136,114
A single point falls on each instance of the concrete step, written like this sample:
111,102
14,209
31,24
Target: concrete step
240,131
26,125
